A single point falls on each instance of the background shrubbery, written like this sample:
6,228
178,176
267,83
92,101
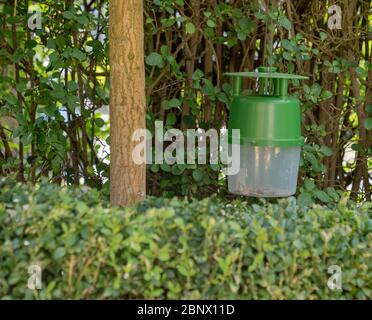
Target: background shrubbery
54,86
170,248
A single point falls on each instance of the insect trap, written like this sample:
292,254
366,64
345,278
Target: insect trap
270,135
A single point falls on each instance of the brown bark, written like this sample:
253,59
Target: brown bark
335,120
208,71
190,49
127,102
21,170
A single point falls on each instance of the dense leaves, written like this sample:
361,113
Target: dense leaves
54,86
169,248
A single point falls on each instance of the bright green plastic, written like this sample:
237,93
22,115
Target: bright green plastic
271,118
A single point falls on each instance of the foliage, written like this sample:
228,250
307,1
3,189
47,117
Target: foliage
169,248
54,86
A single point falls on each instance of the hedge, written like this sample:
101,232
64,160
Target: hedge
179,248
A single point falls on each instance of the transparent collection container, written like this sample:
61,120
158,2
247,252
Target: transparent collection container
266,171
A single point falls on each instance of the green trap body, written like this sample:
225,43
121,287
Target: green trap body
270,135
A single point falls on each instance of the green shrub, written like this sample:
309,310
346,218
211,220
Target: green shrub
179,248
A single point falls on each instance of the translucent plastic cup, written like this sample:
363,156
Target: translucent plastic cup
266,171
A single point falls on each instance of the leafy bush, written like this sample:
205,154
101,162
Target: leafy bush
171,248
54,86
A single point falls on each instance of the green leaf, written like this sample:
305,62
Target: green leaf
27,139
368,123
287,56
284,22
58,93
326,94
332,192
51,43
154,59
166,23
198,74
245,24
68,15
76,53
72,86
60,41
315,51
190,28
171,119
299,36
207,14
101,93
316,89
173,103
323,36
72,102
82,20
21,86
11,99
154,168
30,44
242,35
198,175
164,50
322,196
164,254
99,122
176,170
14,19
313,161
166,167
183,270
369,108
361,72
261,15
208,88
309,184
59,253
326,151
286,44
356,147
211,23
95,44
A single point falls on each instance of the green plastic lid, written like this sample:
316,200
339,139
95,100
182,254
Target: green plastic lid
269,78
271,118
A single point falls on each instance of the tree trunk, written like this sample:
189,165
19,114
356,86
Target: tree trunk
127,102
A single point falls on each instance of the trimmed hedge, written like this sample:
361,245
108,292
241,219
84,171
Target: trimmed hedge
171,248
